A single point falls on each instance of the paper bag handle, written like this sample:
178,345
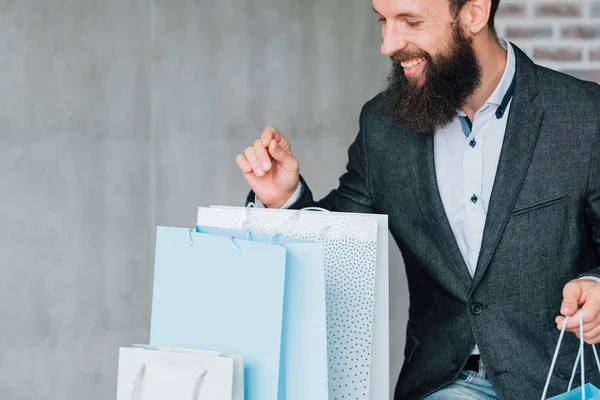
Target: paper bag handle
580,358
278,231
198,384
138,381
231,242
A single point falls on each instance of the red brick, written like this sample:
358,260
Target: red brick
595,54
581,32
517,32
510,10
557,54
586,75
558,10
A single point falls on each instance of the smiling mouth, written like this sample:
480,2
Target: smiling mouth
412,63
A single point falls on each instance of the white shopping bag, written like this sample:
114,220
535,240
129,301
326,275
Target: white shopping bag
155,373
356,247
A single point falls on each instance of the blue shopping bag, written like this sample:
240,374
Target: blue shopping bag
586,391
303,373
590,393
221,294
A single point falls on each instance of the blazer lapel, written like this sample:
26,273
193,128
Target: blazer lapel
524,120
431,207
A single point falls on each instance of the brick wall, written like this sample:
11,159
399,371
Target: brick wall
562,35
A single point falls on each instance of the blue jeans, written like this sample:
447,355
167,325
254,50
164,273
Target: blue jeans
469,385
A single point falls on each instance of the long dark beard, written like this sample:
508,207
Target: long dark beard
449,80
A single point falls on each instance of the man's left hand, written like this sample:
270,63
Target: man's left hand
584,293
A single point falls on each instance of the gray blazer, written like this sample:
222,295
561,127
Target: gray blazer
542,230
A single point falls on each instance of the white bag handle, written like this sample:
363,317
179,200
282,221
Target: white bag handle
580,357
137,382
278,231
140,374
577,360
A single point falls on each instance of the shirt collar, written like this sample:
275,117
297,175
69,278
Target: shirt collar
507,77
498,94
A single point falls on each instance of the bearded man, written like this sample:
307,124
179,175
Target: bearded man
488,167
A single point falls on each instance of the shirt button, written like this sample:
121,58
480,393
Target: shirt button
454,365
476,308
472,143
474,199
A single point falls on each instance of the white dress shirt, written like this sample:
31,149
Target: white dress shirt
466,163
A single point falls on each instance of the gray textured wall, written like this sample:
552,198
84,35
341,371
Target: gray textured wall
118,116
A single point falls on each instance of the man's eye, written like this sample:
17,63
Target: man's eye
381,19
413,24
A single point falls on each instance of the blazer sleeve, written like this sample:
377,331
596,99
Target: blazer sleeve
353,193
592,200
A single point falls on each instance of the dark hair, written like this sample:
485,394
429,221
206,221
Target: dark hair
457,5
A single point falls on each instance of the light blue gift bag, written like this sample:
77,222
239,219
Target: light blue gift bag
586,391
221,294
303,373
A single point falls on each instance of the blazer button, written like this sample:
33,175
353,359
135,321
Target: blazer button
476,308
454,365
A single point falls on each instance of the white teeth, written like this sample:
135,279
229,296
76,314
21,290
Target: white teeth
413,63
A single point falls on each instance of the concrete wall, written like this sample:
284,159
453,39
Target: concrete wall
118,116
76,205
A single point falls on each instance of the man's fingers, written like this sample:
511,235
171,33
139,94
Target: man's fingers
581,303
271,146
591,320
590,316
263,160
251,157
571,296
589,338
276,152
591,330
572,299
592,340
284,157
270,133
591,333
575,328
243,163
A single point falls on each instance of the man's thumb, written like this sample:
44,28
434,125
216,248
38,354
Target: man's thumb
571,294
281,155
